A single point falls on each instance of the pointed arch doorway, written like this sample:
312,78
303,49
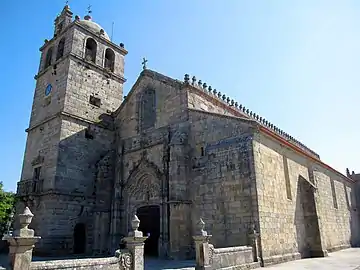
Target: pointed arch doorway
149,217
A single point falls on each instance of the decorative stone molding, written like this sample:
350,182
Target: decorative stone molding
38,160
125,258
239,107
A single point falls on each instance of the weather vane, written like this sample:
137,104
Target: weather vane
89,9
66,2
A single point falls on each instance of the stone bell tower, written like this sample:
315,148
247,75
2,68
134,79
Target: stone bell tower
78,85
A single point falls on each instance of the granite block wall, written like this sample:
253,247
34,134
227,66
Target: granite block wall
284,208
223,185
169,107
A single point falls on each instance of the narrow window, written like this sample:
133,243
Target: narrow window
95,101
333,191
109,60
287,178
48,58
60,27
37,172
90,50
347,197
202,151
60,49
148,109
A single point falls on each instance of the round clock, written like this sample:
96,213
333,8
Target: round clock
48,89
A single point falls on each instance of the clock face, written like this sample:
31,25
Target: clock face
48,89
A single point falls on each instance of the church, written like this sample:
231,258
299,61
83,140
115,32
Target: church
171,151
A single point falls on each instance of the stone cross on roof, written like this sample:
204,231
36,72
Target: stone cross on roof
144,62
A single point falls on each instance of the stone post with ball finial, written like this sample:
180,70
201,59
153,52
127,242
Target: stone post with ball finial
135,245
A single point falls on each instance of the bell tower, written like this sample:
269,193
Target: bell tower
78,85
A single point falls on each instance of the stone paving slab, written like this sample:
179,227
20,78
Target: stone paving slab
348,259
153,264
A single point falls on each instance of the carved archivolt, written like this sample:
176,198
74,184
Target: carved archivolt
144,182
144,187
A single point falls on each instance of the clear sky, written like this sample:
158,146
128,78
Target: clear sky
296,63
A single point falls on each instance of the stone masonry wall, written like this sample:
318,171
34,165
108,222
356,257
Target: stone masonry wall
78,155
282,223
44,106
44,138
78,48
84,82
339,224
42,141
223,186
201,102
170,104
56,218
142,152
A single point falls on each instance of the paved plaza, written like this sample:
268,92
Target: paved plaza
348,259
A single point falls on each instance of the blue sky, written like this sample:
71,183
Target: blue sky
296,63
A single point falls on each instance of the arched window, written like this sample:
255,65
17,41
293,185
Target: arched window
90,50
109,60
60,49
48,58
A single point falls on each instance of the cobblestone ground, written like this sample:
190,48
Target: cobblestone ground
348,259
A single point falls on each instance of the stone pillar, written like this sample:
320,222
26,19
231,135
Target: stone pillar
254,240
202,247
135,246
22,242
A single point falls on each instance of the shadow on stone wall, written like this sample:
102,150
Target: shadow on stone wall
299,221
354,224
78,176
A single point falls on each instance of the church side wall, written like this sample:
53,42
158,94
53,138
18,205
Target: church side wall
223,186
339,225
282,223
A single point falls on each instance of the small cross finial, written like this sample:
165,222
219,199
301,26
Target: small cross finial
144,62
89,9
66,2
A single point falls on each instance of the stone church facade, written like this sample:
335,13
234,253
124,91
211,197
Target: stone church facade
171,151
